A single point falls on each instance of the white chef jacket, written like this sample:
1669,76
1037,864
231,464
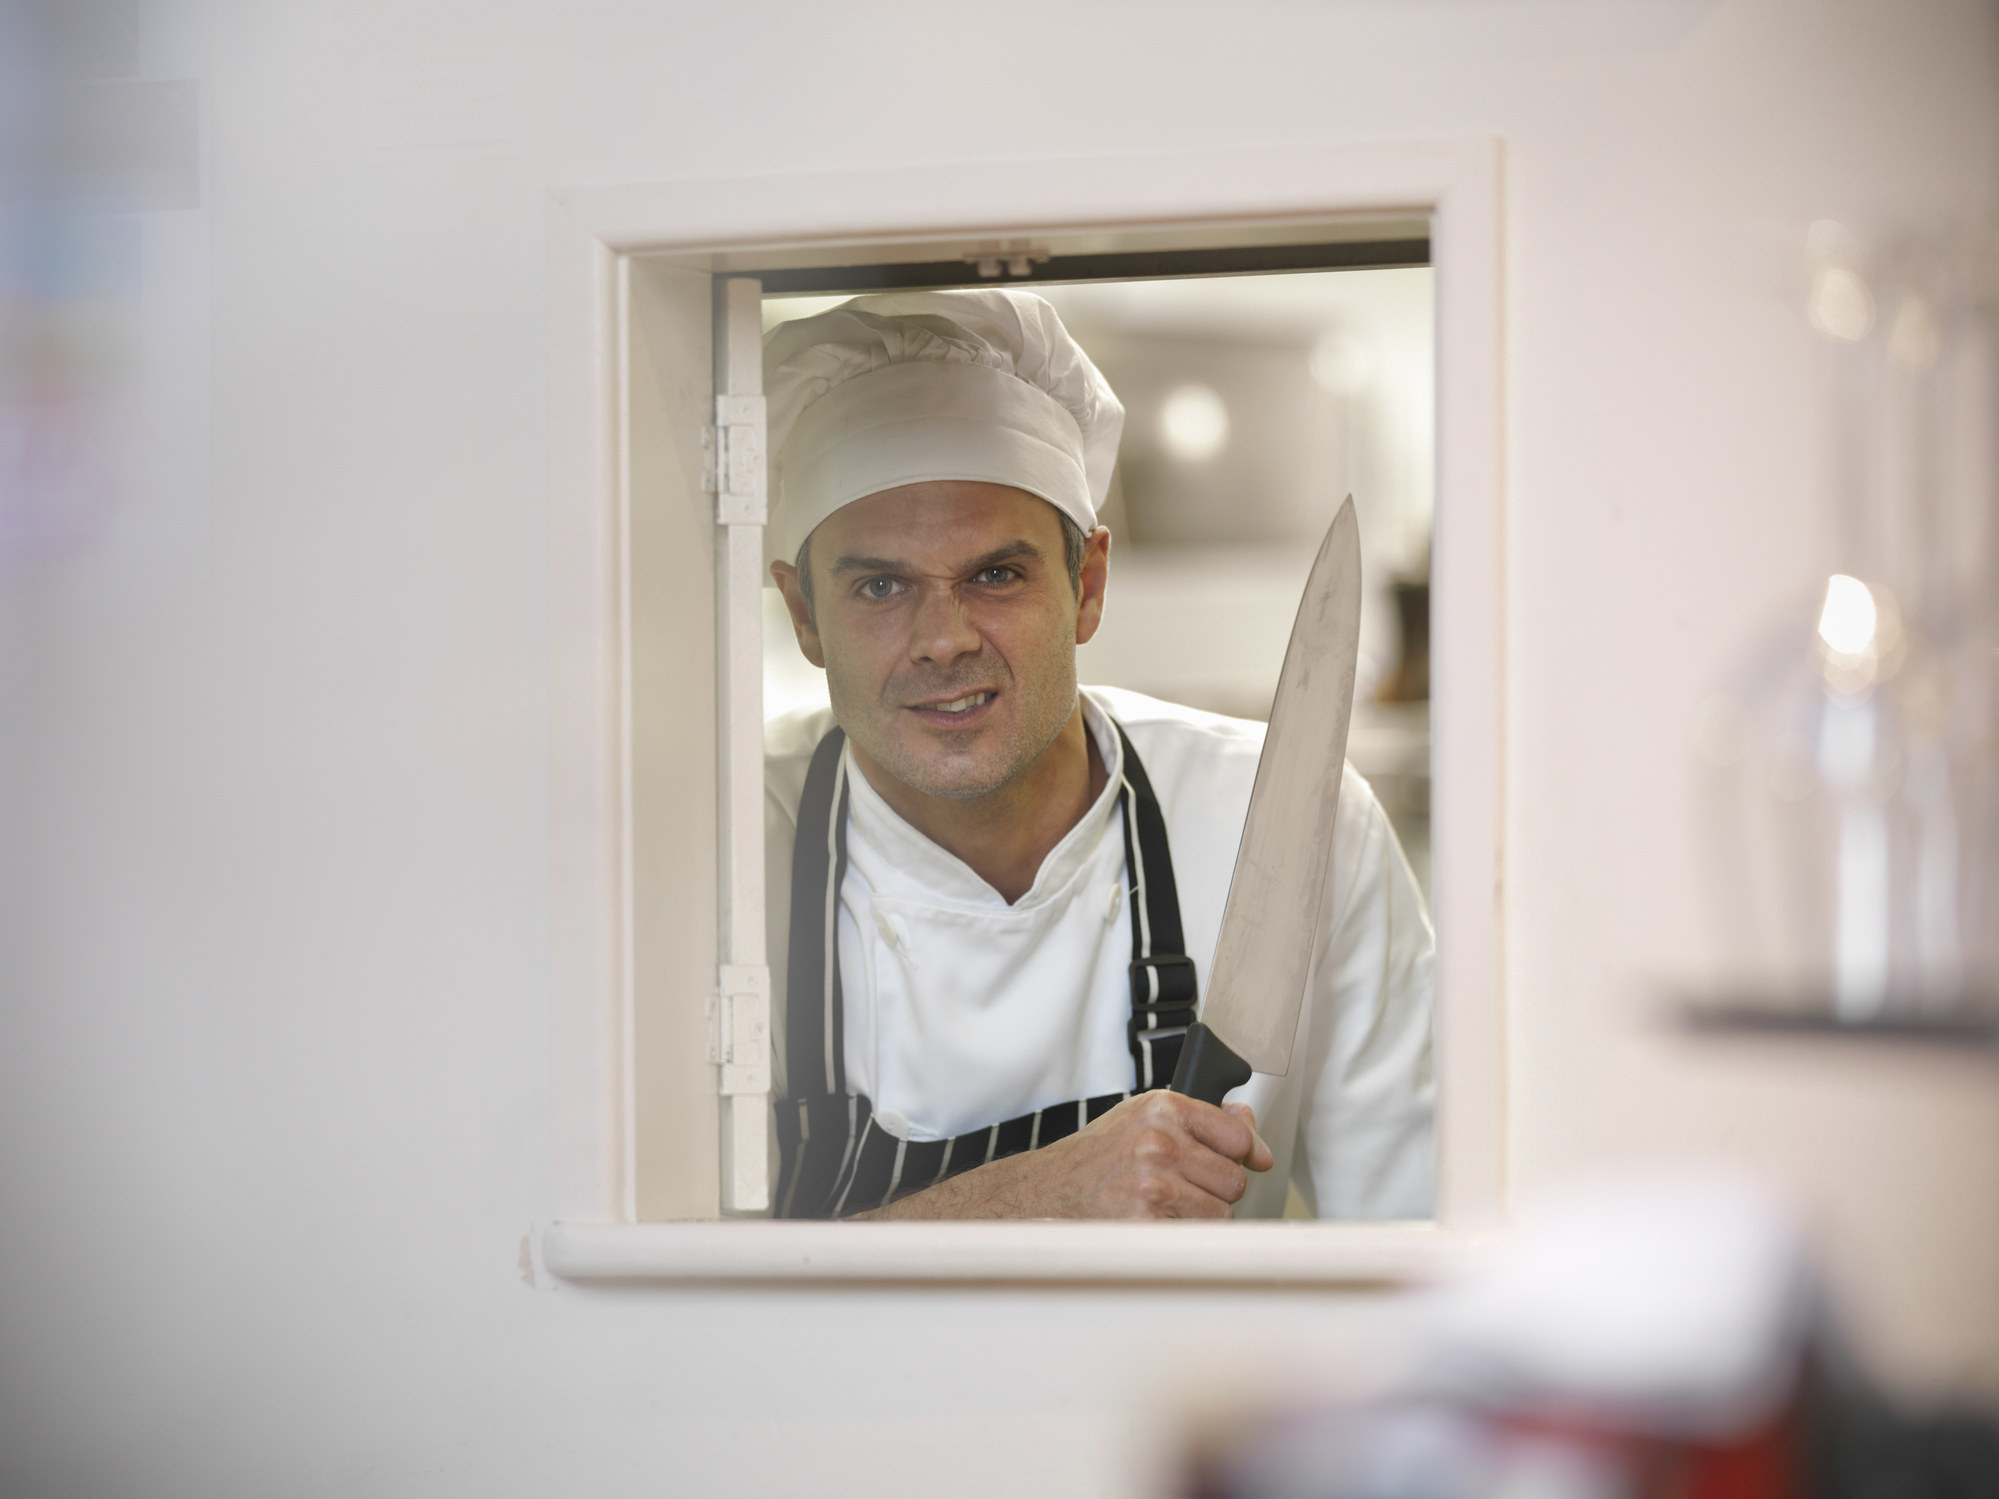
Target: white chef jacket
961,1011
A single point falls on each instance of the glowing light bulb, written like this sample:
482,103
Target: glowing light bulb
1848,620
1194,424
1841,305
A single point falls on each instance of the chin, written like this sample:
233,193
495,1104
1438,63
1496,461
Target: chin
953,779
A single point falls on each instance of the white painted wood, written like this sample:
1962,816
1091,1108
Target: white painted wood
1024,199
1467,691
1187,1253
745,1072
667,578
688,226
586,807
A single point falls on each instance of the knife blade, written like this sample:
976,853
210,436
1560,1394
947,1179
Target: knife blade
1249,1015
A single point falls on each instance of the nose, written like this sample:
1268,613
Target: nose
941,631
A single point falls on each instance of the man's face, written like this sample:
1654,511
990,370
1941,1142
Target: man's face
945,619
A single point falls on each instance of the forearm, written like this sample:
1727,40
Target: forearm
998,1189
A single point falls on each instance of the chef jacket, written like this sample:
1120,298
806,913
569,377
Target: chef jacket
962,1010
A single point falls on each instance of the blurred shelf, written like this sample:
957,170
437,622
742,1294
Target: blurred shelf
1973,1025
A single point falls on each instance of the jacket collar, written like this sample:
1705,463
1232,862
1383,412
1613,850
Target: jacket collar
909,866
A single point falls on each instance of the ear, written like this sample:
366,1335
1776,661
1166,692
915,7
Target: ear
786,577
1091,583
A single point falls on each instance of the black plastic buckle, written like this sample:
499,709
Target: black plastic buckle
1140,1036
1166,963
1179,996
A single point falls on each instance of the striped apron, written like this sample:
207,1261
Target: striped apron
834,1159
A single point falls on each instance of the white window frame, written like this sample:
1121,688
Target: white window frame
634,821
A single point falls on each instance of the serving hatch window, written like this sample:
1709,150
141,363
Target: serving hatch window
658,666
1230,302
1254,404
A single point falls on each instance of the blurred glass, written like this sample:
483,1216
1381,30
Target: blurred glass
1851,818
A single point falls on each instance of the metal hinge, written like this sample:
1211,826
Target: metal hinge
739,1029
1016,258
732,461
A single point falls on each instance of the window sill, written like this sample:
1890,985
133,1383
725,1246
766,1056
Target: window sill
1034,1253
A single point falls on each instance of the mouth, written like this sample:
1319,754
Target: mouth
957,710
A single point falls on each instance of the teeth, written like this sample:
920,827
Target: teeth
964,704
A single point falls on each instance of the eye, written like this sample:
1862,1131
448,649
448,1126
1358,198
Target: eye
878,588
994,576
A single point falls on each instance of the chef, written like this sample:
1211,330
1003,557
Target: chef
993,894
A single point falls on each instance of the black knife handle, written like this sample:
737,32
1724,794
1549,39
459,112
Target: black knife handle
1207,1068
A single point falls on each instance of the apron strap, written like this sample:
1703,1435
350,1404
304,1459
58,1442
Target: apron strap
833,1158
814,1033
1164,990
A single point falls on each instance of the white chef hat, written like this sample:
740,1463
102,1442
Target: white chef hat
912,386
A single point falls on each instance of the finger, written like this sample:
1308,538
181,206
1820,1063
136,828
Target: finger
1212,1173
1258,1157
1193,1201
1173,1157
1225,1132
1165,1173
1201,1205
1261,1158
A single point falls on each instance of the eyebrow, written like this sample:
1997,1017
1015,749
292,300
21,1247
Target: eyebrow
1013,551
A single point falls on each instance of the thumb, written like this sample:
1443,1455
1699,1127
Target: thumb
1259,1157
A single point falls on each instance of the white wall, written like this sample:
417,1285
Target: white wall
273,1083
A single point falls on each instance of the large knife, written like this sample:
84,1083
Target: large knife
1249,1016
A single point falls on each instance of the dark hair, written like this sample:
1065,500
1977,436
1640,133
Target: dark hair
1073,542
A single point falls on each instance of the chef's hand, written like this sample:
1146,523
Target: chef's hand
1156,1155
